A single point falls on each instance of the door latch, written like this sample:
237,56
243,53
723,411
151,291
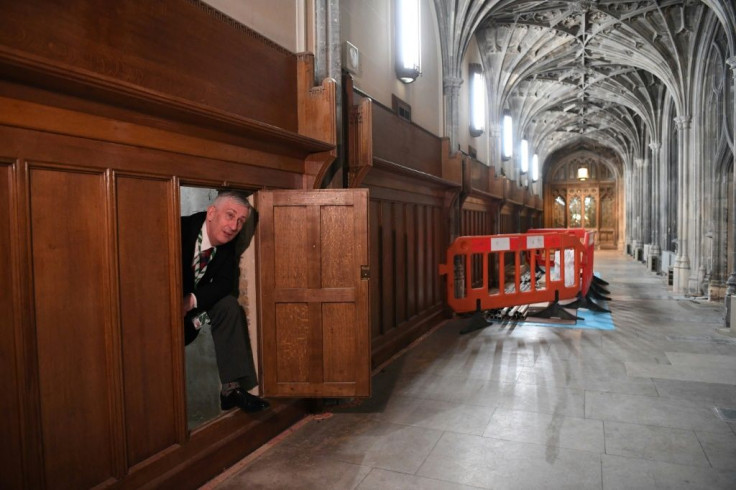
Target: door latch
365,272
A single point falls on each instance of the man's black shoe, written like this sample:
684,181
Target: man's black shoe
243,400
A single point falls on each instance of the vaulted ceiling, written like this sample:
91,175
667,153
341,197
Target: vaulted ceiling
588,73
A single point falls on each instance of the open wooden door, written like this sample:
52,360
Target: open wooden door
315,325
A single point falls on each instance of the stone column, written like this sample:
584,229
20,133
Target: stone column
654,261
494,133
731,281
638,235
682,261
451,89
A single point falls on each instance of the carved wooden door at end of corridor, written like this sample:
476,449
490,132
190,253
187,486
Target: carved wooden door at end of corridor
315,325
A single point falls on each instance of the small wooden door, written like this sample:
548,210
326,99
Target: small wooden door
315,325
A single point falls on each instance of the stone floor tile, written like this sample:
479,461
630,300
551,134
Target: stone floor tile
288,467
620,473
679,446
544,399
708,394
720,449
624,385
391,480
682,372
651,410
367,441
556,430
493,463
440,415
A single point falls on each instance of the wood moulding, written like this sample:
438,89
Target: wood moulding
253,134
198,68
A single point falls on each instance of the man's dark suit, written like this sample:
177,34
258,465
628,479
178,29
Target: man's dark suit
213,292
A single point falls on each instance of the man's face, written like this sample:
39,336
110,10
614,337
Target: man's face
225,219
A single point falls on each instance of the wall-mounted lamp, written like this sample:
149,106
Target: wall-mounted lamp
508,137
583,173
477,100
408,40
524,155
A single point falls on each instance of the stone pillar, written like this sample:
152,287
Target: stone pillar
654,262
638,200
731,281
494,134
682,261
451,89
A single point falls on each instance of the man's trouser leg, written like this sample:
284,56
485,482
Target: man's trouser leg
232,344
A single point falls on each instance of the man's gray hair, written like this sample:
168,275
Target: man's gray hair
238,196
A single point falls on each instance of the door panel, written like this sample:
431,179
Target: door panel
71,309
315,338
151,409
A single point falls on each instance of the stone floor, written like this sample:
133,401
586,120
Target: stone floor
520,407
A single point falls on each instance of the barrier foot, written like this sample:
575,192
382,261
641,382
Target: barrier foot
587,303
595,294
478,321
600,281
555,310
599,289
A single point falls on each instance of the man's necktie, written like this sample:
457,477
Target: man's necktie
201,264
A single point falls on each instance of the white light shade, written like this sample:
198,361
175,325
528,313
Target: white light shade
508,137
583,173
524,156
478,103
535,168
408,40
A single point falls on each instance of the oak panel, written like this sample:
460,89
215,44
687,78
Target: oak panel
145,228
400,254
291,247
376,304
292,342
10,449
411,261
71,302
337,253
388,246
339,342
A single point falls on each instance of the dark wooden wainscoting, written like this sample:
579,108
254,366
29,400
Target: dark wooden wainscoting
104,114
413,190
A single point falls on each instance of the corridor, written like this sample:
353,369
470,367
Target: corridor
526,407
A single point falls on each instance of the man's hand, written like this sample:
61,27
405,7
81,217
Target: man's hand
189,303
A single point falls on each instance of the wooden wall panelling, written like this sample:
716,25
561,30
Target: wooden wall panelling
440,243
11,450
422,260
452,164
201,156
145,93
399,141
388,240
72,304
412,283
360,142
400,260
406,241
408,237
149,295
376,282
317,118
155,50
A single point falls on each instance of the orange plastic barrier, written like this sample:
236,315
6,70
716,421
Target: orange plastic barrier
485,272
587,238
